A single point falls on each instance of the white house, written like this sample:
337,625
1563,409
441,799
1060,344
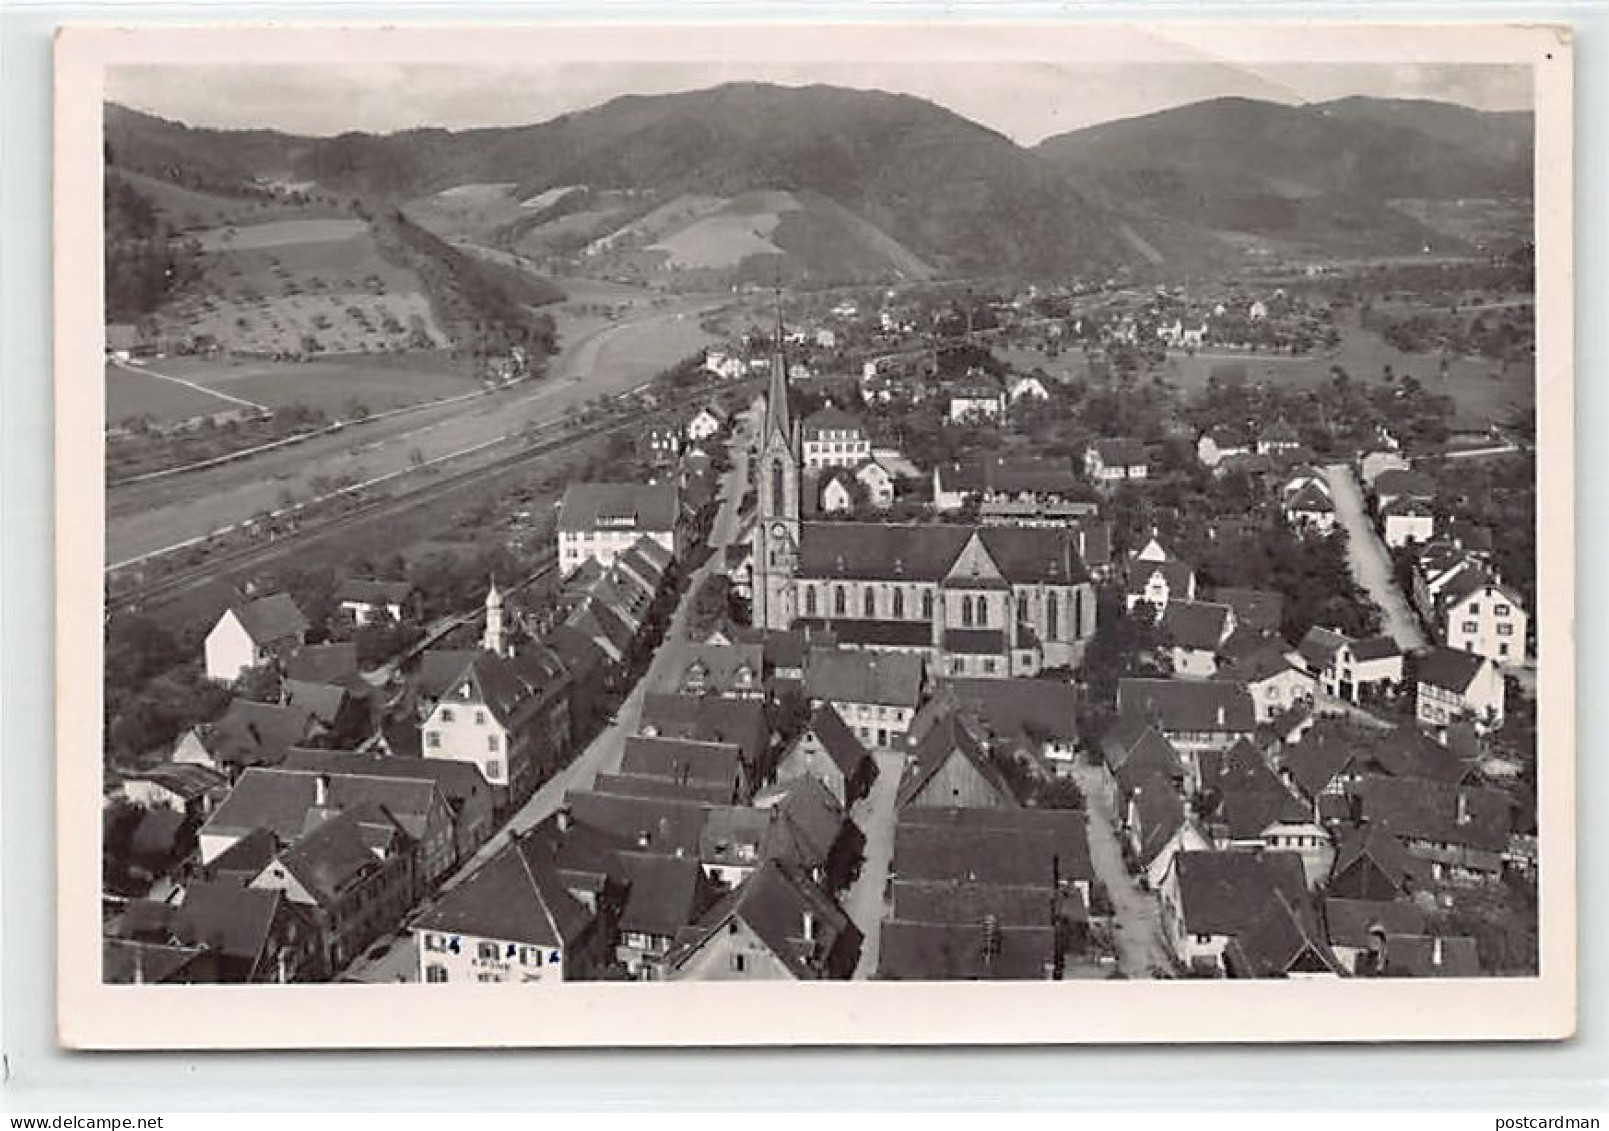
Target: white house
836,495
366,600
250,633
1346,668
1273,679
875,693
1311,510
1116,461
603,520
1483,616
512,921
704,423
832,437
978,398
1406,521
1459,685
1219,444
878,482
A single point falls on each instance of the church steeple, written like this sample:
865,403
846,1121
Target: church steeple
493,640
778,417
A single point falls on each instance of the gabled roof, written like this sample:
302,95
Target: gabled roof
323,701
509,688
667,893
232,920
1119,452
1224,893
1012,708
1281,941
1259,660
187,780
257,734
1197,625
773,902
125,962
246,858
1177,705
1157,811
1462,815
1151,757
1175,573
681,760
1320,645
924,951
1308,499
889,678
719,664
323,663
593,506
1450,669
927,552
1378,647
948,735
709,719
1012,847
1261,609
1354,922
661,826
279,799
830,417
457,781
628,785
334,856
1248,796
516,897
836,739
270,619
1424,956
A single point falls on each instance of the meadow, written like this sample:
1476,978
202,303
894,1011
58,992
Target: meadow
330,385
131,394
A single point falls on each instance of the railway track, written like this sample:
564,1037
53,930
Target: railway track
256,555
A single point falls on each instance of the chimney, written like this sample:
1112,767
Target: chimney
810,927
321,791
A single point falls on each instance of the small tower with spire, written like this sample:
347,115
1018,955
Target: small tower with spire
493,641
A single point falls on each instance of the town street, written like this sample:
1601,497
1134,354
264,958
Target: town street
603,753
1371,564
1136,920
865,901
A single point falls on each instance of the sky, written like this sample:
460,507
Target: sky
1026,101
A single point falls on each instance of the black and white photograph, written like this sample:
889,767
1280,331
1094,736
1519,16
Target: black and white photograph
1057,511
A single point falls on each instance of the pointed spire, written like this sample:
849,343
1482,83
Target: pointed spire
778,418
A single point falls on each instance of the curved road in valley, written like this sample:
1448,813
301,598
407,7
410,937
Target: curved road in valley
597,359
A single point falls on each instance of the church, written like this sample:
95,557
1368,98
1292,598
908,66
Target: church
975,601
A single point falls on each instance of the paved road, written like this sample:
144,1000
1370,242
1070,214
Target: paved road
1371,564
1136,918
603,753
866,903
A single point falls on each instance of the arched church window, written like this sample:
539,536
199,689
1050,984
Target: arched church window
1052,616
927,604
868,604
899,604
838,601
776,484
810,600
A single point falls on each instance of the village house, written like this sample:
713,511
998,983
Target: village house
250,633
979,397
1310,510
1242,804
1374,463
837,491
603,520
1156,577
1401,483
985,479
660,444
714,766
878,483
1407,521
705,423
1460,831
353,875
247,734
734,671
826,749
1481,615
1156,827
1277,440
832,437
183,787
511,921
1218,444
1373,865
366,600
509,715
1116,461
741,722
1454,686
666,895
875,693
1194,715
1209,899
948,764
1348,669
1034,719
1272,678
986,894
215,933
777,925
1195,631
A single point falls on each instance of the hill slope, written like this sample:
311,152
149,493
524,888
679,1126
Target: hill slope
1323,176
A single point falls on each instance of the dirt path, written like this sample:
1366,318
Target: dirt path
1136,918
1371,564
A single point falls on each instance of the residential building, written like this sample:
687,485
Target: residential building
1347,668
1000,479
735,671
1272,677
1407,521
603,520
511,921
827,750
250,633
832,437
1217,444
875,693
366,599
705,423
1209,899
949,764
247,734
1195,631
1481,615
1454,686
1193,715
1116,461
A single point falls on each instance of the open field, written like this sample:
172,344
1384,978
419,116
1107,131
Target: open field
278,233
331,384
597,358
131,393
286,286
730,235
